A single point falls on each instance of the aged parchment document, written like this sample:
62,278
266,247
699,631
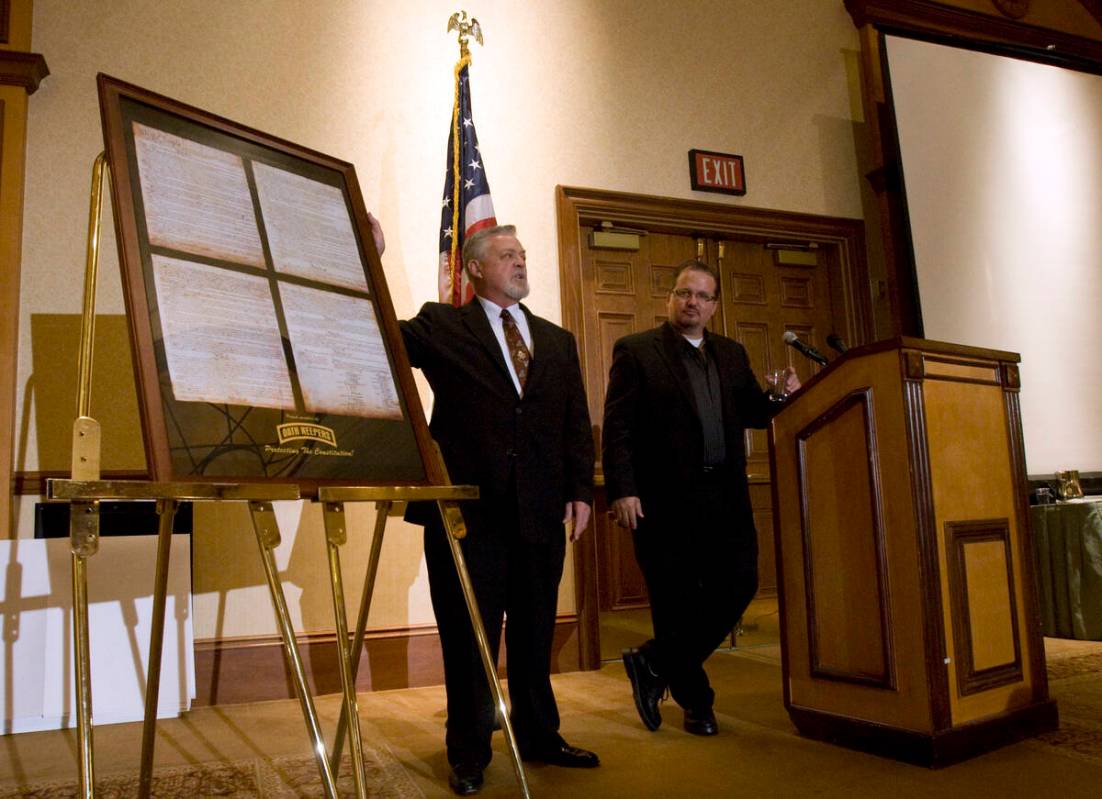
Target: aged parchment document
221,338
309,228
196,198
339,354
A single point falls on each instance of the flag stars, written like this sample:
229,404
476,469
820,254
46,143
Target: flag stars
447,233
474,164
467,122
468,184
447,202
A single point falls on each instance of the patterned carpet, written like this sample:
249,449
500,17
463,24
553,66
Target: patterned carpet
290,777
1075,682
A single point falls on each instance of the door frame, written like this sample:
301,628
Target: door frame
577,207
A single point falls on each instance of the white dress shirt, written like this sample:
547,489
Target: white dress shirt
493,314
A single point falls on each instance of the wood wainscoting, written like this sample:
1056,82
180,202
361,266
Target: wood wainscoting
254,669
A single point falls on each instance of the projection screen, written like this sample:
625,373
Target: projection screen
1002,164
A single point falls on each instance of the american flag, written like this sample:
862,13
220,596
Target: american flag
467,203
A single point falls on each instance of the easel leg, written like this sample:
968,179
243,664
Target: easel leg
454,529
335,536
84,542
267,537
166,512
84,515
382,509
86,764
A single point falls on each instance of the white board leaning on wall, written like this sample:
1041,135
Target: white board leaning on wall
36,651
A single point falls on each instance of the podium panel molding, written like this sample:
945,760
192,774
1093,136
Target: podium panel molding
843,528
971,595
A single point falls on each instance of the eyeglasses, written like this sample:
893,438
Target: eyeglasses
685,294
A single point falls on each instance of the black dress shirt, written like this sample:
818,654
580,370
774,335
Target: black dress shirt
704,378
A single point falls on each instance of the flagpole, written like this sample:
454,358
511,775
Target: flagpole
454,274
468,206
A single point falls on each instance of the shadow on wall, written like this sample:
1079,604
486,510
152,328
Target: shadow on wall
380,664
233,604
52,388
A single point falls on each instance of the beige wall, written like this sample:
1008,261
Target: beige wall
602,94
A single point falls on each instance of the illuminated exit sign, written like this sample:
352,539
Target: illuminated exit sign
719,172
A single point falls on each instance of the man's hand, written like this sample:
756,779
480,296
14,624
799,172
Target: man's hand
576,518
791,381
377,233
627,511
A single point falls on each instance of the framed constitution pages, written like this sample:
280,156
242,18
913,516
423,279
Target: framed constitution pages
264,340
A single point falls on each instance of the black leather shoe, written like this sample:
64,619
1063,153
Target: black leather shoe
465,779
566,756
646,687
701,722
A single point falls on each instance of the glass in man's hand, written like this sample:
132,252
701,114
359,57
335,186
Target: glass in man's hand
777,381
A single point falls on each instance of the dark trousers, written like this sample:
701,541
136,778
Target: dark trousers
700,562
520,581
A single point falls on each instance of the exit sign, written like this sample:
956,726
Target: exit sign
718,172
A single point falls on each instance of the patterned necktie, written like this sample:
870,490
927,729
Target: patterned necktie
517,350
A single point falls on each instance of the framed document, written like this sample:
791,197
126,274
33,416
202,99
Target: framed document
265,343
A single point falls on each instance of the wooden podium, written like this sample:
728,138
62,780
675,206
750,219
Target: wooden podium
909,616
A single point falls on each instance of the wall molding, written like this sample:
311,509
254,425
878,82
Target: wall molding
961,26
22,69
254,669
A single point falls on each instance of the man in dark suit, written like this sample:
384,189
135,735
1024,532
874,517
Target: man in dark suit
510,416
679,398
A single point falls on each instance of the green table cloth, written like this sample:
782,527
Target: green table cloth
1067,541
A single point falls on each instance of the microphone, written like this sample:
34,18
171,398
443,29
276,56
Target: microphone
793,341
835,342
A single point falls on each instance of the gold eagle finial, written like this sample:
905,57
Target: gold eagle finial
459,22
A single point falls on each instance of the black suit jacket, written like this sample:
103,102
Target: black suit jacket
653,439
528,455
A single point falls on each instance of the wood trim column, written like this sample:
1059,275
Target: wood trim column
20,74
886,180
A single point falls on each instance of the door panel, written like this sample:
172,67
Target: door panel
628,295
766,299
761,503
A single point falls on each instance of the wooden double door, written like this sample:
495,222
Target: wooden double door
773,278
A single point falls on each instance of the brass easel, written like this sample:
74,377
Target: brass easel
85,490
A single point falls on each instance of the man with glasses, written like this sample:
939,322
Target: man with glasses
679,399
